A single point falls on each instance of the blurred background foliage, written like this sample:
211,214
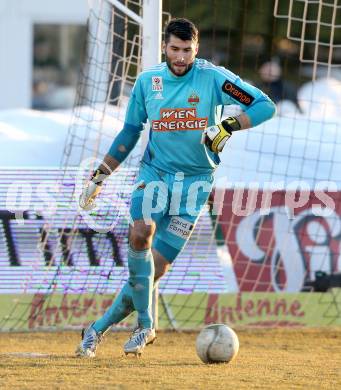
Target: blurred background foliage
243,34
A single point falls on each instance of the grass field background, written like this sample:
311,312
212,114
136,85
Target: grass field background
267,359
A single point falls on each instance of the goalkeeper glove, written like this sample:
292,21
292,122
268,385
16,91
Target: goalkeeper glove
215,137
91,190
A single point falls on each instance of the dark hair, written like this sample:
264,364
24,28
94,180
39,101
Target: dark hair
182,28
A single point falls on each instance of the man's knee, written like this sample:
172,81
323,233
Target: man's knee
141,235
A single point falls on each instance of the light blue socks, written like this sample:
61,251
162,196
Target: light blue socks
135,294
120,309
141,280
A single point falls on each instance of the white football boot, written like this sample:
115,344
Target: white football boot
89,343
138,340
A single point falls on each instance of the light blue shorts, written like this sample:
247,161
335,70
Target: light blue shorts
173,202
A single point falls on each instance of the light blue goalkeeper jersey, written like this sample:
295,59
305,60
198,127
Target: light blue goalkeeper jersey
179,109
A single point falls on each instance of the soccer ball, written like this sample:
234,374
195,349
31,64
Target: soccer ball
217,343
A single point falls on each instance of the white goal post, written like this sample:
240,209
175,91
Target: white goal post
151,20
150,23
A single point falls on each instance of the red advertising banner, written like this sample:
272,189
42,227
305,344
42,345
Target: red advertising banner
278,240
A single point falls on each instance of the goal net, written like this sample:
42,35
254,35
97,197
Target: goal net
266,249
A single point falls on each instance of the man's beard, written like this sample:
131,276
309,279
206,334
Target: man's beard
170,67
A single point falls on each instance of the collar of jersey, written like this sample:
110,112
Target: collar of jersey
180,78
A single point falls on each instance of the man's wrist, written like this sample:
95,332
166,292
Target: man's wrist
98,176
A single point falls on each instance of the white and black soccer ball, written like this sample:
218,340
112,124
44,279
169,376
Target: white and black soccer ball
217,343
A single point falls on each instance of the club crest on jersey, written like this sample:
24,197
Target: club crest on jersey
157,84
193,99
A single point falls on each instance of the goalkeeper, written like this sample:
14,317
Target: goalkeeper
179,97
